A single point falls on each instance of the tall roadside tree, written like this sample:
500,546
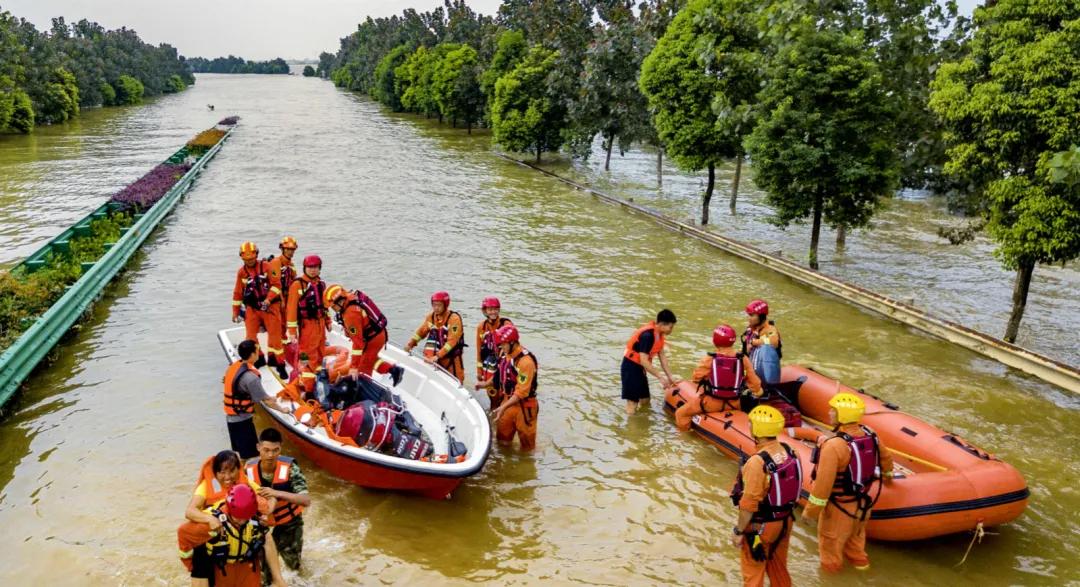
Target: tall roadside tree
385,88
710,49
510,50
824,147
456,87
525,117
1010,106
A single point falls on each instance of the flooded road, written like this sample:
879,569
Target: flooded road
97,462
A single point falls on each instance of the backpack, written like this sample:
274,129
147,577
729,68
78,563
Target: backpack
725,377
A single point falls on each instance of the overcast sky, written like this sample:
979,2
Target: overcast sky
253,29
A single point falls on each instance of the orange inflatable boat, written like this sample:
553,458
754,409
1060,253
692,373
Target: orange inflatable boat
942,485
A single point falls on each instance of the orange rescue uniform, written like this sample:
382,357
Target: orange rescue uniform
776,535
841,534
282,269
703,403
307,319
482,330
259,278
517,373
364,356
448,328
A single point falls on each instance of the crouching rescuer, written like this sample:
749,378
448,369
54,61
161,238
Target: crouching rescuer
766,492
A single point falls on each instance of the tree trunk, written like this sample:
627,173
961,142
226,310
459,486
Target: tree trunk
468,125
659,167
735,182
841,237
453,122
1019,301
538,151
708,195
607,160
815,232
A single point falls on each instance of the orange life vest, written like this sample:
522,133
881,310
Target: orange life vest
285,511
215,491
237,401
658,342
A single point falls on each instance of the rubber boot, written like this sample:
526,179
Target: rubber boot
397,372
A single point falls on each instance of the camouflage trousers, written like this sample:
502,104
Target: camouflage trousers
289,540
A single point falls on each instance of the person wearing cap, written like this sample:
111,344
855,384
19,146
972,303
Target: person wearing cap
759,329
307,320
365,325
443,329
282,268
237,544
487,351
721,376
644,345
258,293
849,462
515,378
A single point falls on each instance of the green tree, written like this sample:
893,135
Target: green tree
705,64
1010,106
175,85
385,89
59,99
824,147
108,94
309,71
510,50
456,87
524,116
128,90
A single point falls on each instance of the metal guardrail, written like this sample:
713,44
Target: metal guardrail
19,360
1043,367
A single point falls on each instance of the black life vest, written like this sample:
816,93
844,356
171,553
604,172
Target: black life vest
376,320
506,377
785,486
256,284
489,351
726,378
310,306
437,336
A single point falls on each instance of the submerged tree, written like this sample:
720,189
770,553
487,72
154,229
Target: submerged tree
524,115
1011,106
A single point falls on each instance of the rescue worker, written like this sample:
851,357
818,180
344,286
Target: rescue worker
365,325
258,293
644,345
766,493
759,329
445,336
516,380
307,319
846,467
283,269
238,546
280,478
487,351
722,378
242,388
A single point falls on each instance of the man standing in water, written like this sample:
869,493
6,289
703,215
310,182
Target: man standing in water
516,382
646,343
487,350
444,331
280,478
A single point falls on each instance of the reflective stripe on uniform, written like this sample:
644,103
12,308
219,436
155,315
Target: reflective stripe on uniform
187,553
357,353
291,324
275,290
237,303
818,501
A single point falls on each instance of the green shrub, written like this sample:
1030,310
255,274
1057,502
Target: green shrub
128,90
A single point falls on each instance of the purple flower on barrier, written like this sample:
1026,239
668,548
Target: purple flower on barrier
229,120
148,189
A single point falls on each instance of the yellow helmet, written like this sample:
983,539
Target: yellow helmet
249,250
849,407
287,243
333,293
766,422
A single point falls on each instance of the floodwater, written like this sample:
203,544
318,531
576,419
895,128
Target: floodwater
100,453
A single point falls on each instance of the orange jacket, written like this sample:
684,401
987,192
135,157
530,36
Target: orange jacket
454,330
296,291
525,365
482,329
245,274
235,402
833,457
354,320
657,346
282,270
704,370
755,481
762,330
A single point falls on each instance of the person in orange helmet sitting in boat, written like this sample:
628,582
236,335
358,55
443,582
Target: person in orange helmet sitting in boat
282,268
487,350
846,466
365,325
722,377
645,344
515,378
240,543
766,492
258,292
445,336
307,319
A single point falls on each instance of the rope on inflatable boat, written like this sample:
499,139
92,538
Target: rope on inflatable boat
979,533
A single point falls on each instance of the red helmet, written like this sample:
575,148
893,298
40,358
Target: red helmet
490,302
313,261
507,333
757,307
723,336
242,503
441,296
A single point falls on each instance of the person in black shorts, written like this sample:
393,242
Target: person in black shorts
646,343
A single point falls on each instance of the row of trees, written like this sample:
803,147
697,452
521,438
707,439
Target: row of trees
836,104
233,64
47,76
